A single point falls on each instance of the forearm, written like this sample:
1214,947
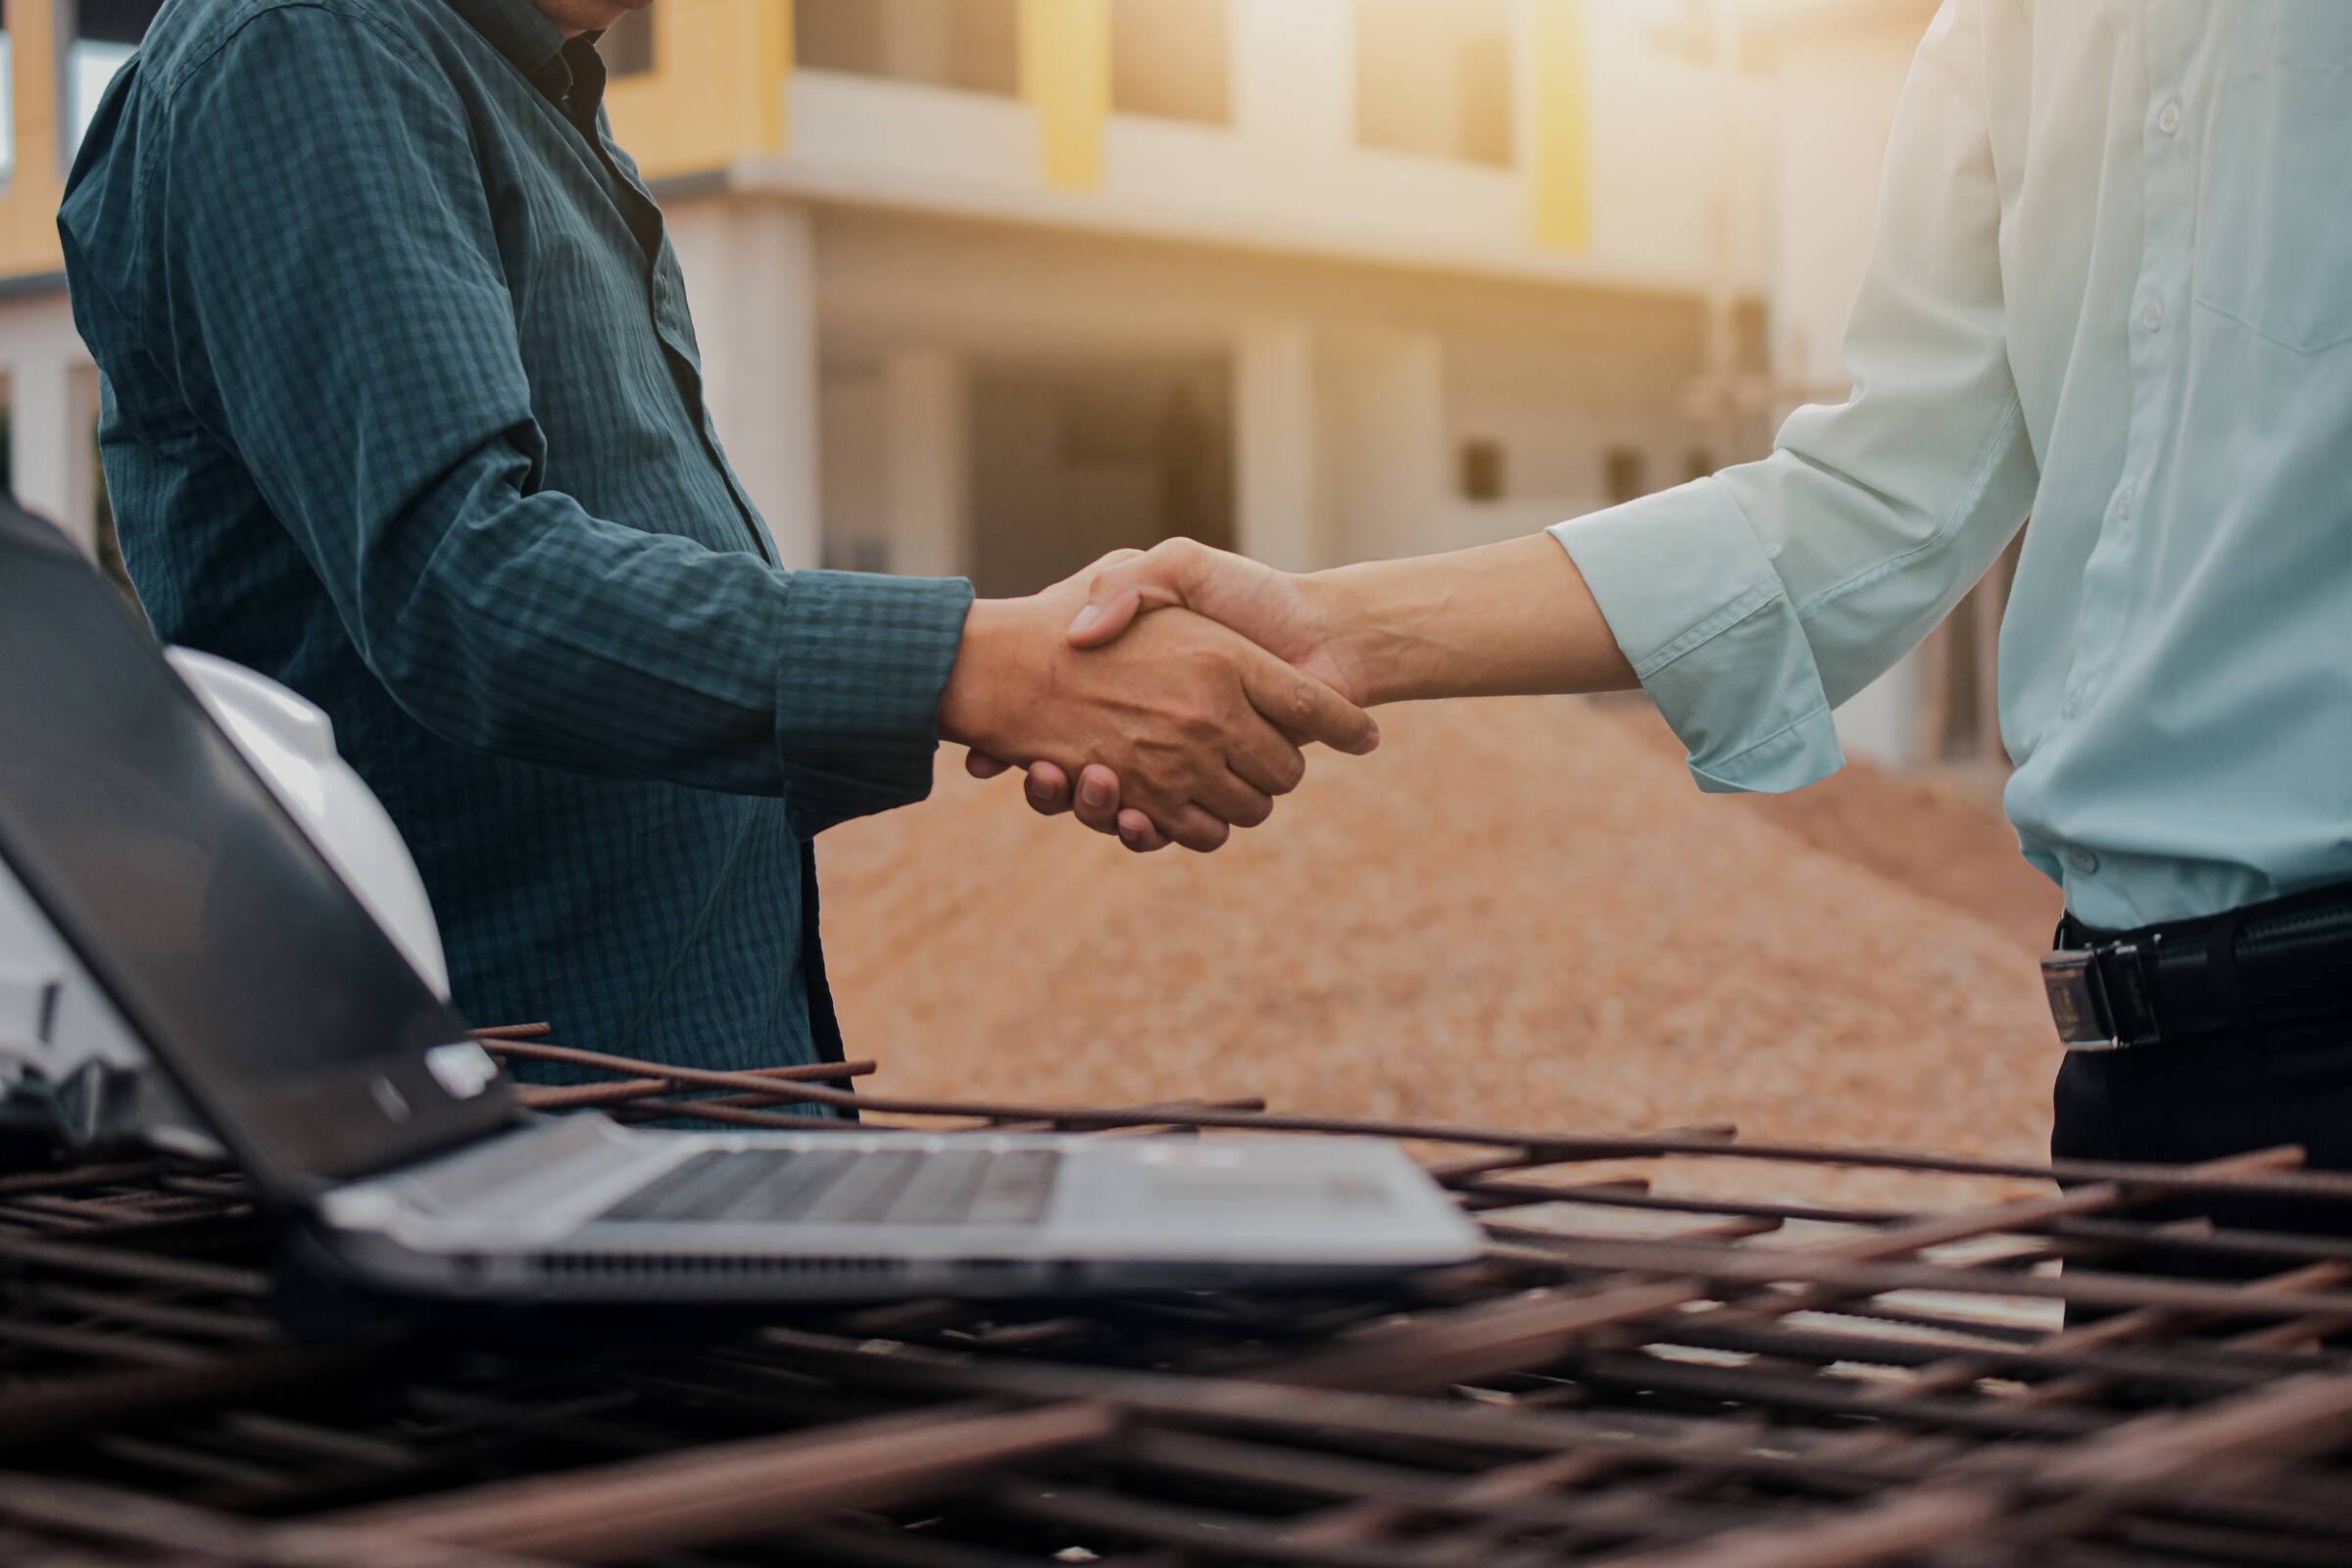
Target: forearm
1503,620
523,626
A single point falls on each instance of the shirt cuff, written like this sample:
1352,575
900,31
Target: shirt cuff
863,660
1699,611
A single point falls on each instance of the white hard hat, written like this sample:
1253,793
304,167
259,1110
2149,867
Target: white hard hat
291,744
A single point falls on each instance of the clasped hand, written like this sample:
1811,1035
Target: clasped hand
1512,618
1178,731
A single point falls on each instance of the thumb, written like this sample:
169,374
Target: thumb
1107,612
1131,582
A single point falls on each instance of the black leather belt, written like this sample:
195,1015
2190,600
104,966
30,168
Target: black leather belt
2277,962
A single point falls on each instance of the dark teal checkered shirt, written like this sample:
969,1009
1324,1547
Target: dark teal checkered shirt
403,406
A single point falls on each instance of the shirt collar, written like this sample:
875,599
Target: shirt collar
537,47
518,30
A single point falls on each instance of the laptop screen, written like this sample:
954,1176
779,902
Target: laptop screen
186,890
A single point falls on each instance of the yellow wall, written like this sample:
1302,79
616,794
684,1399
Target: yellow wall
1065,76
716,89
29,207
1563,128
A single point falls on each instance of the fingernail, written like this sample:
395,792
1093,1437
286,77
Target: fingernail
1095,793
1086,618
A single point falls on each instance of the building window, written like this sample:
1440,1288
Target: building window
1071,460
101,36
1482,476
1435,76
628,44
971,44
1170,59
1624,475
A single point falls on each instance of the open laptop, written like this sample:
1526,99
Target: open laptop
153,878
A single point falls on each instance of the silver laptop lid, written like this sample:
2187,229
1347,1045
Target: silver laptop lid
221,934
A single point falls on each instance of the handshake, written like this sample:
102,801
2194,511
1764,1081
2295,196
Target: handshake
1165,695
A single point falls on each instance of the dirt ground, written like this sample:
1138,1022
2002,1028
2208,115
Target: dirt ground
1519,911
1945,838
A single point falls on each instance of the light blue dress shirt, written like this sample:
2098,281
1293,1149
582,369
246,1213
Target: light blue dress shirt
2111,287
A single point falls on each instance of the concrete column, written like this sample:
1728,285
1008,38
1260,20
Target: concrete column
751,273
1277,447
49,442
927,445
1385,392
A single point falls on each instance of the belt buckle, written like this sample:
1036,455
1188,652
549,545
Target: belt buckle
2077,984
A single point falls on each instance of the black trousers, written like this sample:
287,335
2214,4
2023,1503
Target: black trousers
2208,1096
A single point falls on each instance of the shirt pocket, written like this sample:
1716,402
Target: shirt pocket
2274,238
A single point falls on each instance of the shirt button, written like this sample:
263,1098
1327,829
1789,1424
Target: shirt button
2073,700
2123,503
2081,860
2153,317
2170,120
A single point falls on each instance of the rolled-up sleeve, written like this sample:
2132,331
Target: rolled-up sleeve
1752,603
1709,629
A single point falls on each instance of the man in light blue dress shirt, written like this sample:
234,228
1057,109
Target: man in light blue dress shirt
2111,287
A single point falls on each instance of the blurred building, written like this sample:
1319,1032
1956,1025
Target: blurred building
991,286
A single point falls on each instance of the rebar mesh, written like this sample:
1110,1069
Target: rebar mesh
1629,1373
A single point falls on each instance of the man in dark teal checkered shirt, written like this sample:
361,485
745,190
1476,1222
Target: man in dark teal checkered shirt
403,406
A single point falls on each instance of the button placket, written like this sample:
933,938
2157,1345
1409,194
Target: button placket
2111,574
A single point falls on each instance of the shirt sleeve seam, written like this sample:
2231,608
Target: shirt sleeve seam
1989,460
1713,626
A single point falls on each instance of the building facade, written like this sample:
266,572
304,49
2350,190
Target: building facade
988,287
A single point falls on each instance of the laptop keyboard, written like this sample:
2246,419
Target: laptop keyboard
837,1187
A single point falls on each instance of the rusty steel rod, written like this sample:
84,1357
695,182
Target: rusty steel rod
1556,1147
578,1097
109,1513
614,1512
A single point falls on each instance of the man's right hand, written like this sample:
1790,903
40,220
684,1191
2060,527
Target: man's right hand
1502,619
1200,726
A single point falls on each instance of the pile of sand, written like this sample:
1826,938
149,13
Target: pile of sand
1518,912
